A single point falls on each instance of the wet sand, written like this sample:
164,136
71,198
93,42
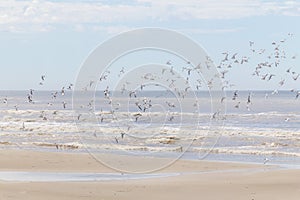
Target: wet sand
197,180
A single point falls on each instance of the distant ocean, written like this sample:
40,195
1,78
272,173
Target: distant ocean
155,123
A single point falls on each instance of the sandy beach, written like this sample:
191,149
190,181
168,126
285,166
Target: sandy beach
196,180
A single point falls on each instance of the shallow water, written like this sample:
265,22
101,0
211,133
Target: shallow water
75,177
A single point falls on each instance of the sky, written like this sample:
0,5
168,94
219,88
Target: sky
53,38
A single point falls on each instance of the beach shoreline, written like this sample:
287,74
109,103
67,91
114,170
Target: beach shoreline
195,179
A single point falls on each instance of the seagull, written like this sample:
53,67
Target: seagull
171,105
122,71
122,135
234,56
70,86
106,92
139,106
64,104
296,77
226,57
287,119
171,118
251,43
244,59
91,83
54,95
281,82
297,95
222,99
172,70
263,77
31,91
214,116
249,98
275,92
103,77
270,77
266,160
132,93
29,97
186,89
223,73
137,115
62,91
43,77
148,76
237,105
235,95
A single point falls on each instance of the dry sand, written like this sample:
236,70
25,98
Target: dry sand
223,180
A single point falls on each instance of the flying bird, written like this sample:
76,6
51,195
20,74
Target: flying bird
235,95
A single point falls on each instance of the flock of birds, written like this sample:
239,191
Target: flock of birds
31,97
270,61
262,71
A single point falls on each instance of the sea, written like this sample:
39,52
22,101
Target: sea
241,126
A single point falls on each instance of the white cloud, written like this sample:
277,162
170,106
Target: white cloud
209,31
111,29
227,9
44,15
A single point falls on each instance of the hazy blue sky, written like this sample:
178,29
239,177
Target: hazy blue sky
54,37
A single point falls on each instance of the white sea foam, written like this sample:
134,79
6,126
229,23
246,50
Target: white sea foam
264,132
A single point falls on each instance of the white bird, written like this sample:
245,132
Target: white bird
281,82
287,119
234,56
266,160
237,105
251,43
31,91
297,95
62,91
296,77
235,95
64,104
122,71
